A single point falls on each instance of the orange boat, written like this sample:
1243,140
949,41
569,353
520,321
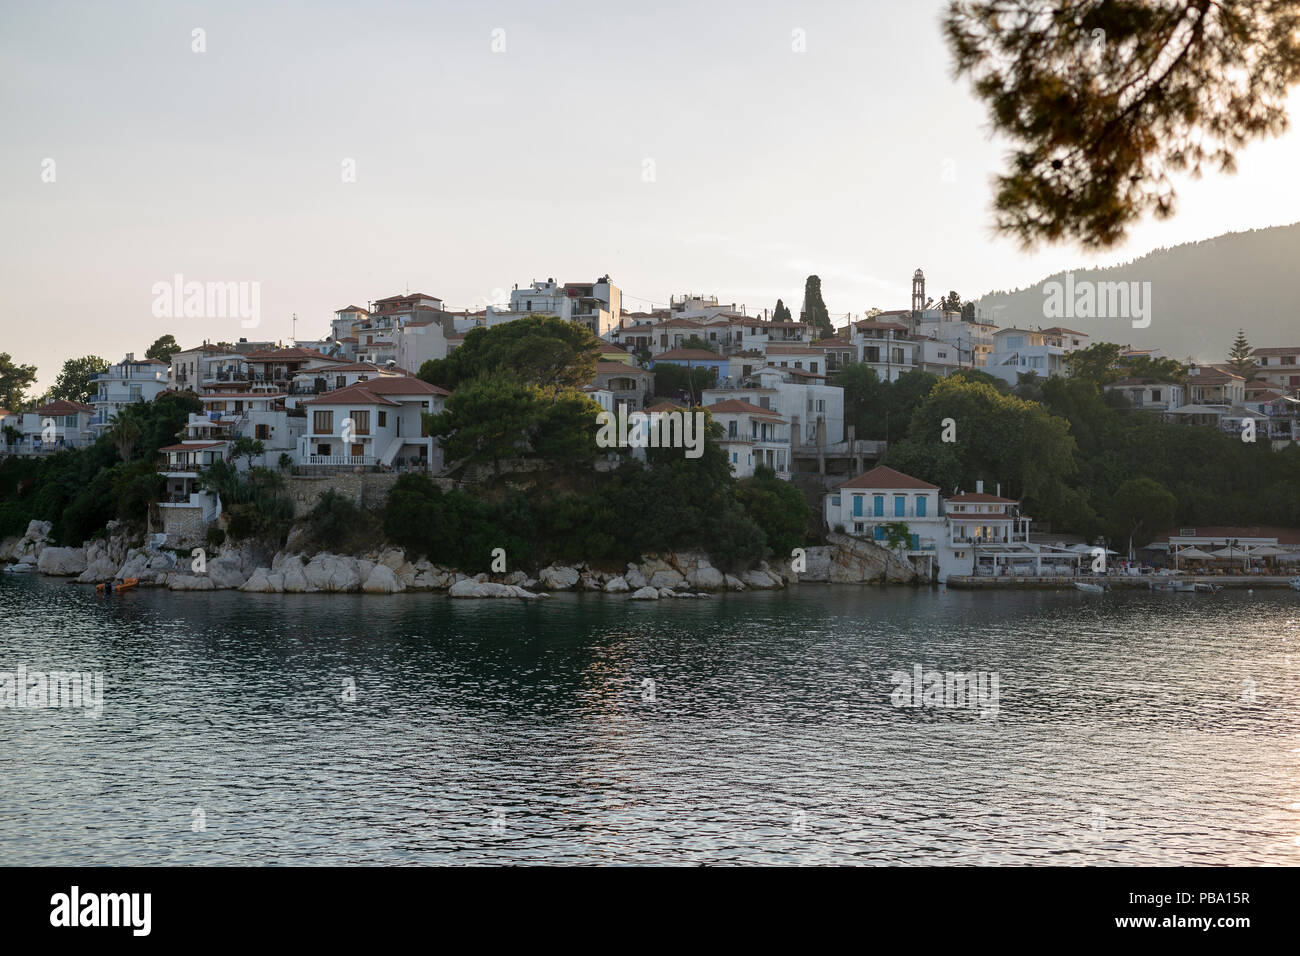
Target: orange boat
125,584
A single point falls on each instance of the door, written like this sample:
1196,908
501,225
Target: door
358,450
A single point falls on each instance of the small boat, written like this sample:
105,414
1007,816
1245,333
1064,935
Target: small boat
1090,588
126,584
1205,587
21,568
1163,585
1295,584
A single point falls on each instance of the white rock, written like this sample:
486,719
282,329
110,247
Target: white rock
61,561
645,594
558,578
616,585
331,572
734,583
635,579
382,580
189,582
667,578
265,581
707,577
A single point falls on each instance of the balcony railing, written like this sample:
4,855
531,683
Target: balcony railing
336,460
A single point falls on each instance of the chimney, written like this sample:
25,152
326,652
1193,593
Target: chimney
999,489
979,487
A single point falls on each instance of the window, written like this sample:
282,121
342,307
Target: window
921,505
879,506
383,419
857,506
821,404
360,421
878,533
1155,394
735,458
900,506
322,423
262,432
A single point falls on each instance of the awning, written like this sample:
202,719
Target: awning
1195,554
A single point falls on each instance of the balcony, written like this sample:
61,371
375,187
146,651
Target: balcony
339,460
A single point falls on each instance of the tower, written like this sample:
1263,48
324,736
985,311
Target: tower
918,290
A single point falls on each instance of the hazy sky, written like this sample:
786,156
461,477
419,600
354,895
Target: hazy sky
477,169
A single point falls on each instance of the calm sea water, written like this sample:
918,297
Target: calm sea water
1130,728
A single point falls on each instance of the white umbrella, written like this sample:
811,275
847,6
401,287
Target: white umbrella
1196,554
1266,551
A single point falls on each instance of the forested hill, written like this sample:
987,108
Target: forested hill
1201,293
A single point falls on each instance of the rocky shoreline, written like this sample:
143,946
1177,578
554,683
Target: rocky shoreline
250,568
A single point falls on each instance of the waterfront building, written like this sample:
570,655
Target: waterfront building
55,426
753,436
376,422
126,383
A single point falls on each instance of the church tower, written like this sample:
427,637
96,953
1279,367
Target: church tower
918,290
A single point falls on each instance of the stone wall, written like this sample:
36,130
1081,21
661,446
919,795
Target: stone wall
368,489
184,527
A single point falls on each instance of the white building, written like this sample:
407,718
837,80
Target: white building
1148,394
55,426
378,422
813,409
123,384
420,341
752,436
1279,366
1044,352
966,534
597,305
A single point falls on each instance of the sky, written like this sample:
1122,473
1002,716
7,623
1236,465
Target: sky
677,146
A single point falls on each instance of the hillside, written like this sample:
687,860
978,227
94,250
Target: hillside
1201,293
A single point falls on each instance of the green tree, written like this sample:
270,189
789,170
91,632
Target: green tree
76,380
249,448
493,419
696,342
1157,369
777,507
1096,364
124,431
15,379
538,350
1140,509
814,308
163,348
1104,99
1241,357
781,313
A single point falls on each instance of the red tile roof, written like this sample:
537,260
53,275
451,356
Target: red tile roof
688,355
610,368
885,477
738,406
979,497
352,395
64,407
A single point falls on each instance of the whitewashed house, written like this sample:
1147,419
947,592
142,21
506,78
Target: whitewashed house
377,422
752,436
55,426
813,409
126,383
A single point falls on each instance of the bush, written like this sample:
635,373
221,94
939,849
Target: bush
215,537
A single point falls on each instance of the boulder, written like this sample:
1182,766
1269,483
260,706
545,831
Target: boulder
227,570
264,581
382,580
616,585
61,561
100,569
558,578
666,578
331,572
645,594
634,577
733,583
190,582
295,581
761,580
706,578
469,588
